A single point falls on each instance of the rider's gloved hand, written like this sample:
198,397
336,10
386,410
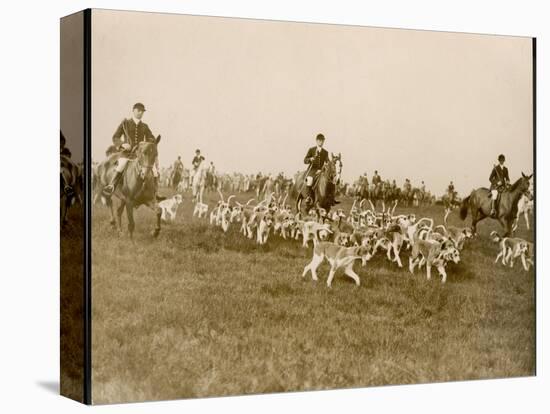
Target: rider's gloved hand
125,147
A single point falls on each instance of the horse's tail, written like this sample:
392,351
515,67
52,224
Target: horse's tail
464,208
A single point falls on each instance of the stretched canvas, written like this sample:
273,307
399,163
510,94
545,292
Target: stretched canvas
253,206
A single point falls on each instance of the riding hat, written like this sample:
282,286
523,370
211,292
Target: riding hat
140,106
501,157
320,136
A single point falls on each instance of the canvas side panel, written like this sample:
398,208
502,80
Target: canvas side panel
72,206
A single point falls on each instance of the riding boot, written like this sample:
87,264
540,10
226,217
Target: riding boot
110,188
493,208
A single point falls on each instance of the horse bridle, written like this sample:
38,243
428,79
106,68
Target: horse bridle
144,169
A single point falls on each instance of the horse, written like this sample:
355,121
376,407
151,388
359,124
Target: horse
198,182
479,203
175,177
137,185
324,187
377,192
211,181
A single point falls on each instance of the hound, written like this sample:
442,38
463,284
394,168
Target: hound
310,229
412,228
223,210
457,234
288,227
215,212
392,241
343,239
262,223
339,258
513,247
200,210
169,207
433,253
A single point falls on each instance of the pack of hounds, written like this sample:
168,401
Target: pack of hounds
342,238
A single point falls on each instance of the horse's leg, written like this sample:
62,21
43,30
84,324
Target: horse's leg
63,204
118,216
474,220
506,225
298,202
109,204
158,212
131,222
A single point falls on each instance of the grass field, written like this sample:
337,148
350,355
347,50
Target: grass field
198,312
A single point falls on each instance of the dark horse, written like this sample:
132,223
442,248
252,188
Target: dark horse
479,203
175,178
324,187
137,185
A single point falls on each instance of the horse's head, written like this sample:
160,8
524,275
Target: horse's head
524,183
146,154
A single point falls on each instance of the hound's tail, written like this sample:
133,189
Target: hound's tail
464,208
447,213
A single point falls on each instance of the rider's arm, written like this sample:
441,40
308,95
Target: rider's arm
118,135
307,159
493,175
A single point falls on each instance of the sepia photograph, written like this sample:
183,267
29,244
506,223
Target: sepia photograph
281,206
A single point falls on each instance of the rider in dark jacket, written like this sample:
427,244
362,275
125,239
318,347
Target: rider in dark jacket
316,158
499,179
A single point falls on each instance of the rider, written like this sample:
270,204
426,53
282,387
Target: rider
376,178
177,168
66,152
127,136
451,189
407,185
178,164
316,158
499,179
423,187
197,159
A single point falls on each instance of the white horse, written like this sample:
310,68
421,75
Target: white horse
525,207
198,181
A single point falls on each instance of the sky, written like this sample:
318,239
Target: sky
253,94
71,75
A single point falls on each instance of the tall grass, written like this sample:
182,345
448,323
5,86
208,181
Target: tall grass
198,312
